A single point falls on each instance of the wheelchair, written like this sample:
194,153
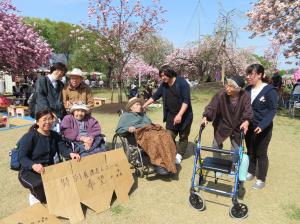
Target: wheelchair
136,156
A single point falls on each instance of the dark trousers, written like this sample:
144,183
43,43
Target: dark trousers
183,138
257,146
33,181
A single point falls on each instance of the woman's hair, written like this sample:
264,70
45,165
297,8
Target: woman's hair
167,70
259,69
38,116
58,66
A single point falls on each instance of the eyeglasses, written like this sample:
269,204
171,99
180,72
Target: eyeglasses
47,120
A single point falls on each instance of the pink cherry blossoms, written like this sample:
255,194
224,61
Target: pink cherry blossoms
205,59
121,27
279,19
136,67
21,48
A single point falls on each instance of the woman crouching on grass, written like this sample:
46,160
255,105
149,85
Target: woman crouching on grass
37,149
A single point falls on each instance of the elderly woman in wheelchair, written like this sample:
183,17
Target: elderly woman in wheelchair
82,131
143,140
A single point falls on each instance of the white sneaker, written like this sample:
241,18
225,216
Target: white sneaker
33,200
178,159
249,177
258,185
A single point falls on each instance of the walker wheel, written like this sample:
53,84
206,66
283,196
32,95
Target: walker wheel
197,201
239,211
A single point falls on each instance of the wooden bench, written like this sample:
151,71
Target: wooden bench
98,101
22,111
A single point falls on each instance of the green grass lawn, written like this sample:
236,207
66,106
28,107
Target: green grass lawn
166,200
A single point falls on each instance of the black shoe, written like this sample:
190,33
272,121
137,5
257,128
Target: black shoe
161,171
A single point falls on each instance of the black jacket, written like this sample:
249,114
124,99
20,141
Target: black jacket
264,107
35,148
184,94
48,97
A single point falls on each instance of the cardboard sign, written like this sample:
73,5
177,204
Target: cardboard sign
36,214
61,193
121,174
93,181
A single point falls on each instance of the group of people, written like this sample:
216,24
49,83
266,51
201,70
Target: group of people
64,126
231,110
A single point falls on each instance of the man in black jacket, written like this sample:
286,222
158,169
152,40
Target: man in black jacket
49,91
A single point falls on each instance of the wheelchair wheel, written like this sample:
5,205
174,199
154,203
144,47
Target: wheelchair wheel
239,211
139,172
197,201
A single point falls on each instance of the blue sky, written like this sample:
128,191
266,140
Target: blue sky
186,18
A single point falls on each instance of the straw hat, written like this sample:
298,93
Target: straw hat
132,101
75,72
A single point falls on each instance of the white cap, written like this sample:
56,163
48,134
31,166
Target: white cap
79,106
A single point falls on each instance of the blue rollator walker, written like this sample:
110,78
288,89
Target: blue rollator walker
232,167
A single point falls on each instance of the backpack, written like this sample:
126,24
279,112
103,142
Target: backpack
14,158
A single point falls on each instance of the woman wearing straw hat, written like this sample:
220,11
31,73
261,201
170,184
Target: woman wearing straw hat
83,130
161,149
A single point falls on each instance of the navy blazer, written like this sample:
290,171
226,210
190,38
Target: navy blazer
182,89
264,106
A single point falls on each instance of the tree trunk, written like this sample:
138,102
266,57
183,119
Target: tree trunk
112,94
120,98
109,75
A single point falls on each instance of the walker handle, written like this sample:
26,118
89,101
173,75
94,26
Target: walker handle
202,126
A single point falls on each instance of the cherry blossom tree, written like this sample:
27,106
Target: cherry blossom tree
271,55
204,59
21,48
122,27
279,19
138,67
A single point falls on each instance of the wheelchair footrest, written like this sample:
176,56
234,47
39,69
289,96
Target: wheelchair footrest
217,165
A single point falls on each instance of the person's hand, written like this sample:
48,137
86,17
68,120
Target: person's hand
87,145
38,168
244,126
75,156
204,122
257,130
89,140
131,129
86,139
177,119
